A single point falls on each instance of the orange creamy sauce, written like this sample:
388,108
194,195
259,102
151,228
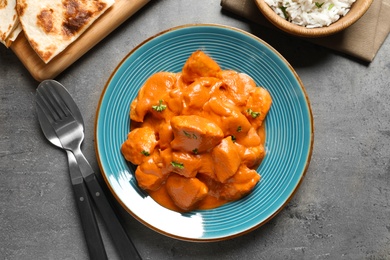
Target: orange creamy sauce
197,136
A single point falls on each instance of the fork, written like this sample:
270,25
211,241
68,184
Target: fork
71,134
89,224
87,216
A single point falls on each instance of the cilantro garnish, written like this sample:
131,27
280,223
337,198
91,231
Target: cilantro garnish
191,136
284,11
177,165
160,107
146,153
252,113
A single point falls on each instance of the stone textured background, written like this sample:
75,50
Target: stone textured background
341,211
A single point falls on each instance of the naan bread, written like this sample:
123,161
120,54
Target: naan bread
8,19
13,35
51,25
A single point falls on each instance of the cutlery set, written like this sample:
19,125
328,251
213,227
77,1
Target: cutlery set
63,125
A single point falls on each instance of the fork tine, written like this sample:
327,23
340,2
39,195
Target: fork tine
45,107
48,101
53,102
60,101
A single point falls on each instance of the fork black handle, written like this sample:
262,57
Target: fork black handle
88,221
122,242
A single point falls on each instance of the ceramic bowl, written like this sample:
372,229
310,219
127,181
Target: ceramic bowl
358,9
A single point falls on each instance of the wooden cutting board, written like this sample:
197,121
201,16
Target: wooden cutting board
111,19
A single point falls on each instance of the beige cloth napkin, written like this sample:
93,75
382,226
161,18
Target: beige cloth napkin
362,39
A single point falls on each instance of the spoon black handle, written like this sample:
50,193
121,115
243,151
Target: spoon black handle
88,221
122,242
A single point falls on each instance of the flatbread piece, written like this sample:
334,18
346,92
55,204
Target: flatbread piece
8,19
52,25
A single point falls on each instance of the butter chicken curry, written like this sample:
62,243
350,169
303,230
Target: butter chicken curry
197,136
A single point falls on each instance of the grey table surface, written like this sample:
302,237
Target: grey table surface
341,210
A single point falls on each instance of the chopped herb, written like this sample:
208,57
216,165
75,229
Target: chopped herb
195,151
319,5
193,136
284,11
177,165
233,138
330,6
146,153
187,134
160,106
239,129
252,113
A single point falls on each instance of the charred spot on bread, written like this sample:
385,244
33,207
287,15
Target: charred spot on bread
3,4
45,20
76,16
21,7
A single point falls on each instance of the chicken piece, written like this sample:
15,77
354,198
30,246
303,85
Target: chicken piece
167,163
165,135
249,83
199,65
153,93
194,134
140,143
226,159
236,124
257,106
186,193
235,86
182,163
240,184
228,117
149,175
207,165
251,156
196,94
175,103
186,164
251,138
